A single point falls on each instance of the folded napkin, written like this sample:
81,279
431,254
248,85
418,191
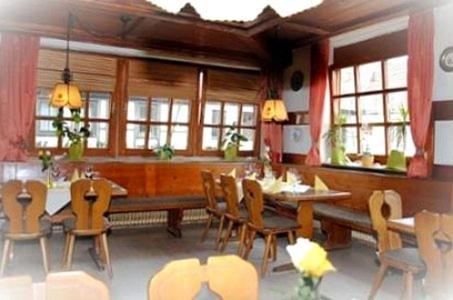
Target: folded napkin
272,187
252,176
291,178
232,173
320,185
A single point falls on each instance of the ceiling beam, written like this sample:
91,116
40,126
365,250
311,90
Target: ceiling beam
134,25
306,28
266,25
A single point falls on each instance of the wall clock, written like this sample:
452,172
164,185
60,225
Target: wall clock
446,60
297,80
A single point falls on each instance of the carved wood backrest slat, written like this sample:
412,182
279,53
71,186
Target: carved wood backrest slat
209,188
230,193
253,196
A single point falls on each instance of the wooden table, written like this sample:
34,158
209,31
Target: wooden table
305,205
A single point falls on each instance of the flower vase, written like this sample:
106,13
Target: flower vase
76,150
49,179
307,288
231,152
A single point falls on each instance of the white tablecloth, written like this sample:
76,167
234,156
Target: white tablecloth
57,198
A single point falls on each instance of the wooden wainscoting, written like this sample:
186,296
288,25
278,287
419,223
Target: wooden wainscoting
417,194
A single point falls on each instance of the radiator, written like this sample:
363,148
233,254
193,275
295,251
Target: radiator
155,218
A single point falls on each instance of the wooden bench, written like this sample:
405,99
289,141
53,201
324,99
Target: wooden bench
175,205
337,222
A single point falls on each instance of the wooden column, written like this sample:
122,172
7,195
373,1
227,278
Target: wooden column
119,106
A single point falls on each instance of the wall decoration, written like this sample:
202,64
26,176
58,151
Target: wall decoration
446,59
297,80
296,134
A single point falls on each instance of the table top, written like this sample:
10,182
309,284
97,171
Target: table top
403,225
310,195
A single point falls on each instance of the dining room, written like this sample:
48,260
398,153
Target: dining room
157,149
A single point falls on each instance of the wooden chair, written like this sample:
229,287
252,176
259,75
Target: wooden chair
234,215
24,207
230,277
268,227
90,200
385,205
434,237
213,209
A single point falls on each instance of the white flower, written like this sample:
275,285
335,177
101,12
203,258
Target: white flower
298,251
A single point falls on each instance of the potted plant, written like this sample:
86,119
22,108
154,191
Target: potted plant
231,142
335,139
165,152
367,158
77,134
397,158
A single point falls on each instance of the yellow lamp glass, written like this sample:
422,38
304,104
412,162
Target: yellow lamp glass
274,110
66,95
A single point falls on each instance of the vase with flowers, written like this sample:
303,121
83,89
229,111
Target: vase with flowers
46,163
311,261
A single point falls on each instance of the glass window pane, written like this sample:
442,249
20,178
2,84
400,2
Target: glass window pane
179,137
99,106
371,109
350,139
99,135
396,72
370,77
376,140
180,111
212,113
210,138
347,85
231,114
137,108
45,135
250,135
160,110
248,115
398,144
43,107
135,136
157,136
396,102
347,109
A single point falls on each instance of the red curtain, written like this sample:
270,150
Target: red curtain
318,83
272,131
18,69
420,86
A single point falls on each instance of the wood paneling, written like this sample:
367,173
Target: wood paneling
85,82
230,86
151,78
417,194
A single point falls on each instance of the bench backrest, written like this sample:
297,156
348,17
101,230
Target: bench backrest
385,205
253,197
24,204
209,188
230,193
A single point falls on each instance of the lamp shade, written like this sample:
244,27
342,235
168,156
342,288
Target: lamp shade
274,110
66,95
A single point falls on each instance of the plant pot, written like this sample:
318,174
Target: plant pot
75,151
163,155
231,152
338,156
396,161
367,160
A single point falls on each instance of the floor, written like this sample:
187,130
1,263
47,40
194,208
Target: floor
138,253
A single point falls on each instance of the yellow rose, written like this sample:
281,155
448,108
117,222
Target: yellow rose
40,153
315,262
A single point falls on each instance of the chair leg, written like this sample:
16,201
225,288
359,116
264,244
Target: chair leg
65,251
6,248
249,244
105,248
219,233
291,238
227,235
70,251
378,281
206,229
274,248
408,282
45,253
242,240
267,249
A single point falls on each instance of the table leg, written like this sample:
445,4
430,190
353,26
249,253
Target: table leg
305,219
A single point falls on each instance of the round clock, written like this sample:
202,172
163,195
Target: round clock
446,60
297,80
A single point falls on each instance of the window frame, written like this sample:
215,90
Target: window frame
219,152
148,123
84,121
336,96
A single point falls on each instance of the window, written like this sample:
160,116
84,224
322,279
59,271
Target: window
368,98
219,116
155,121
95,113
